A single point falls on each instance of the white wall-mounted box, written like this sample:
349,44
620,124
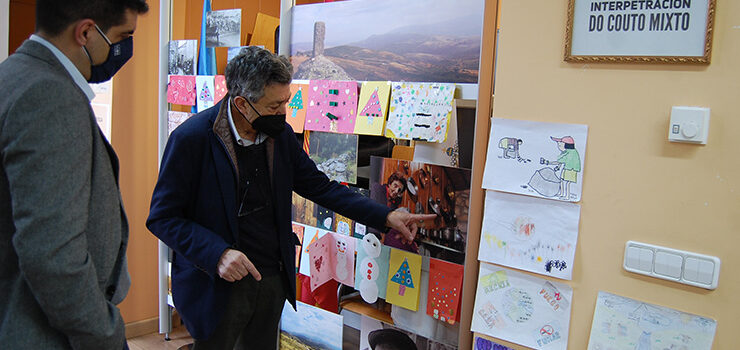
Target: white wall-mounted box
681,266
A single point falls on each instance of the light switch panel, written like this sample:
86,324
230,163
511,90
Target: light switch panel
689,124
670,264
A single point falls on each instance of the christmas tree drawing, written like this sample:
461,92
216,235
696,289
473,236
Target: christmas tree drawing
297,102
205,94
372,107
403,277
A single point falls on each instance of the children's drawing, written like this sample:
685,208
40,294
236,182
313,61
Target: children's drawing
332,257
403,283
298,230
372,268
181,90
297,107
174,119
446,153
520,308
372,107
343,225
560,149
332,106
205,89
309,327
310,236
335,155
531,234
624,323
420,111
445,290
324,218
220,88
485,344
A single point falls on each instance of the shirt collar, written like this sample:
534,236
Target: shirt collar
239,139
68,65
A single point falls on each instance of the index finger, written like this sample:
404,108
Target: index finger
251,269
424,216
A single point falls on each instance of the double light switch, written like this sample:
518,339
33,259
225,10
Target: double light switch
670,264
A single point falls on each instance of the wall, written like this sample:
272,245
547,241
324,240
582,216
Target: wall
4,28
22,22
637,185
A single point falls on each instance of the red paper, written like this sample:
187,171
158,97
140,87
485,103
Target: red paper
220,87
181,90
445,284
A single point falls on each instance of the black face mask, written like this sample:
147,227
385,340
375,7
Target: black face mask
118,54
271,125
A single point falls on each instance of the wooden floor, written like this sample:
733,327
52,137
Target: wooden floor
155,341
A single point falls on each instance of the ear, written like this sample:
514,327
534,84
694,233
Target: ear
82,31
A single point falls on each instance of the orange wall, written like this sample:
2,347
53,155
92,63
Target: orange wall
636,184
134,137
22,22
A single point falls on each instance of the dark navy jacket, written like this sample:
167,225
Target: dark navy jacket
194,209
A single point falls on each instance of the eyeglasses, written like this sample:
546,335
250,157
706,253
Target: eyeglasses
244,209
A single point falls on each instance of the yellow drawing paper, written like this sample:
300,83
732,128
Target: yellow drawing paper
372,108
404,279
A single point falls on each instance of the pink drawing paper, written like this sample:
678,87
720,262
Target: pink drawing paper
332,106
220,87
332,257
181,90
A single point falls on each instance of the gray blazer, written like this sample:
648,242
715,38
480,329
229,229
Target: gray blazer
63,231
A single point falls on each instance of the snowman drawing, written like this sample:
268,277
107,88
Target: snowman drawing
341,268
368,268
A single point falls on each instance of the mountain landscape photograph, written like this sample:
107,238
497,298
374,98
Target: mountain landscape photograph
388,40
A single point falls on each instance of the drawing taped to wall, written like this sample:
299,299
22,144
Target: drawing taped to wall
624,323
523,309
531,234
536,159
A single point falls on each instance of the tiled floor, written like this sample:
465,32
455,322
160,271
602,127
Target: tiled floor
155,341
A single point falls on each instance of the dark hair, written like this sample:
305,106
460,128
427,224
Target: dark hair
396,176
391,339
570,145
54,16
252,69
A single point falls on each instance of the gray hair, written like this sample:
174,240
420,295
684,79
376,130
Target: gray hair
252,69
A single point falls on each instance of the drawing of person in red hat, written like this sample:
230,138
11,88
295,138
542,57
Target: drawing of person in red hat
570,163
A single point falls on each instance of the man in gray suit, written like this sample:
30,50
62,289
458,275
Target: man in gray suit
63,231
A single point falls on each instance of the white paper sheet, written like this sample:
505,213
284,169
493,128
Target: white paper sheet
531,234
205,92
523,309
624,323
310,235
446,153
534,158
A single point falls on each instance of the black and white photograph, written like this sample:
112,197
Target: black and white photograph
223,28
182,57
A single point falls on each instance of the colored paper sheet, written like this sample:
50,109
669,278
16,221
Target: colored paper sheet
335,155
205,90
371,275
343,225
181,90
332,257
263,33
624,323
445,290
531,234
485,344
298,229
309,327
297,106
445,153
324,218
332,106
420,111
372,107
536,159
404,284
174,119
522,309
220,87
310,235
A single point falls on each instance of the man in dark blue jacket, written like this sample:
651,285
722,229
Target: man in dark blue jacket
223,204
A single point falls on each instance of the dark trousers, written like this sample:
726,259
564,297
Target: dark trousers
252,316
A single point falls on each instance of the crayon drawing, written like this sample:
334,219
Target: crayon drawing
624,323
531,234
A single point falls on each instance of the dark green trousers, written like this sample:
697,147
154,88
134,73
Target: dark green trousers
252,316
